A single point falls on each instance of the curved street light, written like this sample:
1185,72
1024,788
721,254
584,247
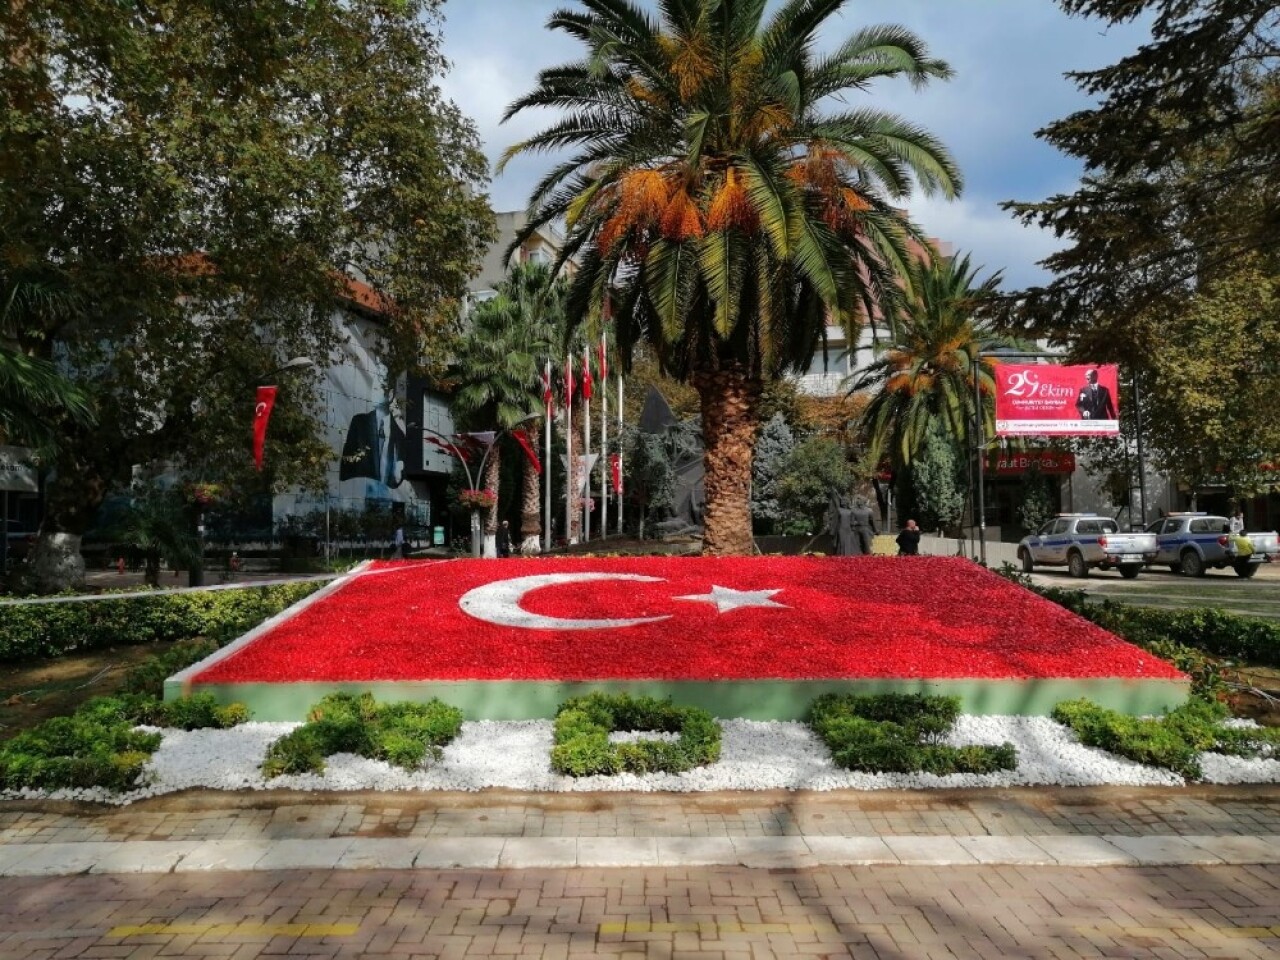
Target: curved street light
474,480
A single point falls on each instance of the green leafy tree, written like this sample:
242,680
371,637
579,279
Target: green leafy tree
720,202
1038,502
814,468
206,176
771,452
1214,385
936,480
924,369
1182,174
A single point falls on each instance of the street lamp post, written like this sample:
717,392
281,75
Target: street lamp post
474,480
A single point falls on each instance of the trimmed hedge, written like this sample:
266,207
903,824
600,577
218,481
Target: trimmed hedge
900,733
1174,741
97,746
403,734
1246,639
51,629
583,725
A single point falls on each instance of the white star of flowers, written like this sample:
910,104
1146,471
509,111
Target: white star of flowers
726,598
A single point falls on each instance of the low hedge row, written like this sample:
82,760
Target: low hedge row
97,746
901,733
1247,639
51,629
403,734
1174,741
583,724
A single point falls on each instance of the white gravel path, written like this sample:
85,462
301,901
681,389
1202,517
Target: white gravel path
754,756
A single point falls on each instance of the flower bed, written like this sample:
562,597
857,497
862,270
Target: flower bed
682,619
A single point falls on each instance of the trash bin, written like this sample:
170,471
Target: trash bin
437,536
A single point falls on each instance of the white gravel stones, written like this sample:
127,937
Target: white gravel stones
754,756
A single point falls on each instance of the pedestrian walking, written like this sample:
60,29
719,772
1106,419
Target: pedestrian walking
504,539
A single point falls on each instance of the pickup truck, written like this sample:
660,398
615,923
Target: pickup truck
1083,541
1193,543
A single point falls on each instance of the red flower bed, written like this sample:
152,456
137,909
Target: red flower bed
862,617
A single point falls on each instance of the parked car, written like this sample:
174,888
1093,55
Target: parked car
1083,541
1193,543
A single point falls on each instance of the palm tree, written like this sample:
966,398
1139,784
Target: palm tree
495,368
538,301
714,209
924,370
33,393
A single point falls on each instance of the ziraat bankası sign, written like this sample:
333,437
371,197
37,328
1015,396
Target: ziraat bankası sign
1037,400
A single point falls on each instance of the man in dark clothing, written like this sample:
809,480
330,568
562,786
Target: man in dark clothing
909,540
1094,401
504,539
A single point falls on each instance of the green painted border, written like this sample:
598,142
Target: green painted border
751,699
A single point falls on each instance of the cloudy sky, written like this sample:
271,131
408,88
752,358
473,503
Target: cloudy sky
1009,58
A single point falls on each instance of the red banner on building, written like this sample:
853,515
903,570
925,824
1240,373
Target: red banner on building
1044,461
1036,400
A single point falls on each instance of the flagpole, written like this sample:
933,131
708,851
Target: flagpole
586,449
620,482
568,449
604,440
546,481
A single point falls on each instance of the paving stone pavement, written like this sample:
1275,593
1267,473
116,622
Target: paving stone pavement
1056,873
726,913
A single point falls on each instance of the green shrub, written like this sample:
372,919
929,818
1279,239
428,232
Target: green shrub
402,734
52,629
1173,741
93,748
583,725
189,713
149,676
900,733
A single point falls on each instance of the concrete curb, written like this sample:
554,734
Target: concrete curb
524,853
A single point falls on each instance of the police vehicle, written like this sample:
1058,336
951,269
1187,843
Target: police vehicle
1084,541
1193,543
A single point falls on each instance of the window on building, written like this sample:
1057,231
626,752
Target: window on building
837,362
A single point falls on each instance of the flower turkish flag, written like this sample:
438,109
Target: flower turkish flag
261,414
681,618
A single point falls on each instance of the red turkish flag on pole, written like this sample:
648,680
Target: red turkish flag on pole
261,414
522,438
604,362
586,373
568,380
615,471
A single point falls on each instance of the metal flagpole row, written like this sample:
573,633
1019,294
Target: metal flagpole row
604,437
620,482
546,505
568,449
586,445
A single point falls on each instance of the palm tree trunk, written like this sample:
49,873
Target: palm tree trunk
492,473
730,419
531,509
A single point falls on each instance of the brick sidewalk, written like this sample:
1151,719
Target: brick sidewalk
1053,873
724,913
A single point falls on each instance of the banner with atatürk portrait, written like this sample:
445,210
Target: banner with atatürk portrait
1037,400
